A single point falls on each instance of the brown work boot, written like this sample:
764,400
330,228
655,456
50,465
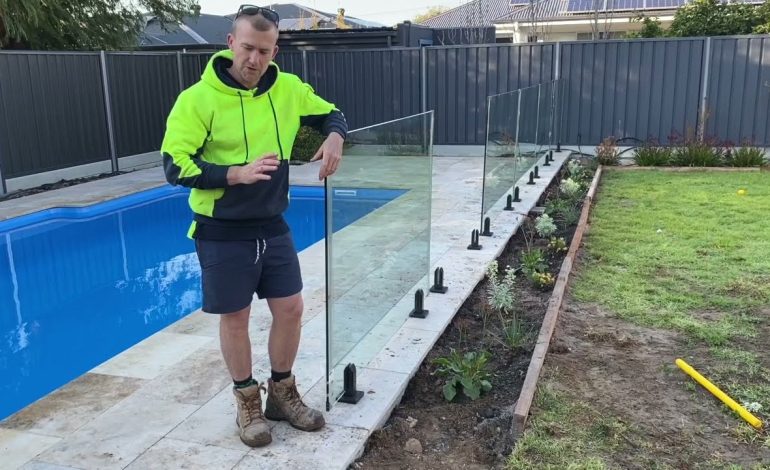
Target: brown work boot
284,403
251,422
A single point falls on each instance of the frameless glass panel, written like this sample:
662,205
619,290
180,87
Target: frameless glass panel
500,149
383,256
528,129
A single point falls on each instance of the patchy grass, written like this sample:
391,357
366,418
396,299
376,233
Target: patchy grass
681,251
565,434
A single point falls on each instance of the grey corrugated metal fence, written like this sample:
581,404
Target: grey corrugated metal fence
738,95
636,89
459,79
369,86
55,115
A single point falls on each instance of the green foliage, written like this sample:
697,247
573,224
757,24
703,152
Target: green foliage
545,226
543,280
430,13
306,144
651,155
464,372
563,211
607,152
500,292
651,27
533,261
514,334
570,188
557,245
745,157
714,18
84,24
576,171
697,153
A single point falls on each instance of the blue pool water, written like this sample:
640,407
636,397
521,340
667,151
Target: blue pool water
78,286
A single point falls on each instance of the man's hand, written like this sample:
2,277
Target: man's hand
331,152
255,171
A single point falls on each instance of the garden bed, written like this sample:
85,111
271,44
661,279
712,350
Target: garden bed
426,430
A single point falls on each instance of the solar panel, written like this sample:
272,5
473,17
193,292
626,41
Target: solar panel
660,4
625,4
585,5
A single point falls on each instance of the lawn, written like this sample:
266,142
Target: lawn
675,264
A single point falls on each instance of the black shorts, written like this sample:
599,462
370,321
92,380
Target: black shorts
232,271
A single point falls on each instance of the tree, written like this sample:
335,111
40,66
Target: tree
430,13
651,27
84,24
714,18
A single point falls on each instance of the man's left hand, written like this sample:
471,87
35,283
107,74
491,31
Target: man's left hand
331,153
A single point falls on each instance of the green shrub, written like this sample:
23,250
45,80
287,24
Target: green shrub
306,144
650,155
468,373
745,157
533,261
695,153
545,226
514,333
500,292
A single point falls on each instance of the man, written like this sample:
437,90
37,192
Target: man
229,137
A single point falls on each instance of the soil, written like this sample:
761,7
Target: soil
628,372
466,434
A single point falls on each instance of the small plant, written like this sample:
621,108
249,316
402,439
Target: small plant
543,280
576,171
533,261
696,153
570,188
745,157
557,245
651,155
607,152
467,373
500,292
514,334
545,226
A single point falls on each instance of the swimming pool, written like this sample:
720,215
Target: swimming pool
80,285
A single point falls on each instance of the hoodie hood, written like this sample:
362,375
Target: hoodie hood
217,76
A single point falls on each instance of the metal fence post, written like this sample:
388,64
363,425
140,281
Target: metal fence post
3,187
108,109
704,91
424,79
305,76
179,70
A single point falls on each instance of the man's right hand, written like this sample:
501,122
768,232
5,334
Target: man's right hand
255,171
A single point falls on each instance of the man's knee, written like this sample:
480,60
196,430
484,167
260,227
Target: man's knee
288,309
236,320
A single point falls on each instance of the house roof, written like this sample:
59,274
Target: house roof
213,29
472,14
203,29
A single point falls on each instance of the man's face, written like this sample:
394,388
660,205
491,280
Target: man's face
252,51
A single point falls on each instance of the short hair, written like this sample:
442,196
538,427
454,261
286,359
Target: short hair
258,22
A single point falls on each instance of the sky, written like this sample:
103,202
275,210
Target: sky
388,13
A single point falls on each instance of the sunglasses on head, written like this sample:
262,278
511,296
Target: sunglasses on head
251,10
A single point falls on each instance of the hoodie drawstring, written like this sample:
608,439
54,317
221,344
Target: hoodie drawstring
275,119
243,122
